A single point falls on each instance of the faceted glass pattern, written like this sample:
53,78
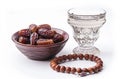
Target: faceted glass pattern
86,25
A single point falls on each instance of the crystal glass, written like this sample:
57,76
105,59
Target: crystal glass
86,23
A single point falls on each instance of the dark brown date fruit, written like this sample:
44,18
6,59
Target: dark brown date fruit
54,31
44,41
48,34
45,26
58,38
33,28
42,31
33,38
24,32
23,40
40,37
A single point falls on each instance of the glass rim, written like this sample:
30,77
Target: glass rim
92,15
103,11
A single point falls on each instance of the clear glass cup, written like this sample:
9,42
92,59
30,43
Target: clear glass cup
86,23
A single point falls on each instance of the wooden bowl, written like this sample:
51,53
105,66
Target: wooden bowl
41,52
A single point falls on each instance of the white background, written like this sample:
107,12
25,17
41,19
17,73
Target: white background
18,14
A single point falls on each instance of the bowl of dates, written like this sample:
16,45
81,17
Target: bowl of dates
40,42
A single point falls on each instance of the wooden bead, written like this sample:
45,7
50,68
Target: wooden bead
79,70
53,66
91,57
60,58
74,56
57,68
65,57
94,57
90,70
84,70
80,56
68,69
62,69
55,60
98,66
99,61
73,70
70,57
86,56
95,69
51,63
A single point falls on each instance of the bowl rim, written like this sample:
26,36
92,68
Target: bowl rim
50,45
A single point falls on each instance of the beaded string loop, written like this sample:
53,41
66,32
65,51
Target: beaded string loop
54,63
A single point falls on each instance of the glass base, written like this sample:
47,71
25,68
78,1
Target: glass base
91,50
